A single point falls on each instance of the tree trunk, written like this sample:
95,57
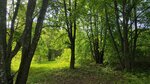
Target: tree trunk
8,71
23,70
29,46
3,78
118,25
135,36
96,51
9,47
3,45
125,34
72,60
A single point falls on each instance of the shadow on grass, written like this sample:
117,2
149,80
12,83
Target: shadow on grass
95,74
59,73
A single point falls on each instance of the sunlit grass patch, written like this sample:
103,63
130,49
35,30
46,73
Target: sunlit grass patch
58,72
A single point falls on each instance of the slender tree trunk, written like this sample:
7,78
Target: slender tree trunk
118,25
135,37
96,43
72,60
9,47
96,51
125,34
92,37
113,39
103,47
90,43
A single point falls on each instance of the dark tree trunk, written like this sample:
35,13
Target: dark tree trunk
101,57
72,60
3,44
8,71
29,46
96,51
118,24
9,47
23,70
135,37
26,45
125,35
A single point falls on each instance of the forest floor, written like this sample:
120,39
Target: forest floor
55,72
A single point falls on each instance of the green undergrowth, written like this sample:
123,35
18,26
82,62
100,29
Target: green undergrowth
58,72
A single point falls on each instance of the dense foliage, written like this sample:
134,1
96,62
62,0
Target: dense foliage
107,34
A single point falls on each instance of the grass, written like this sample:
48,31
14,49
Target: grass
58,72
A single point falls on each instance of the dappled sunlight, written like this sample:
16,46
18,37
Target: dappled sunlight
74,42
16,62
50,65
59,73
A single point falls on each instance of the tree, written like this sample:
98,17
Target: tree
3,78
95,29
11,53
29,44
126,27
71,28
26,40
